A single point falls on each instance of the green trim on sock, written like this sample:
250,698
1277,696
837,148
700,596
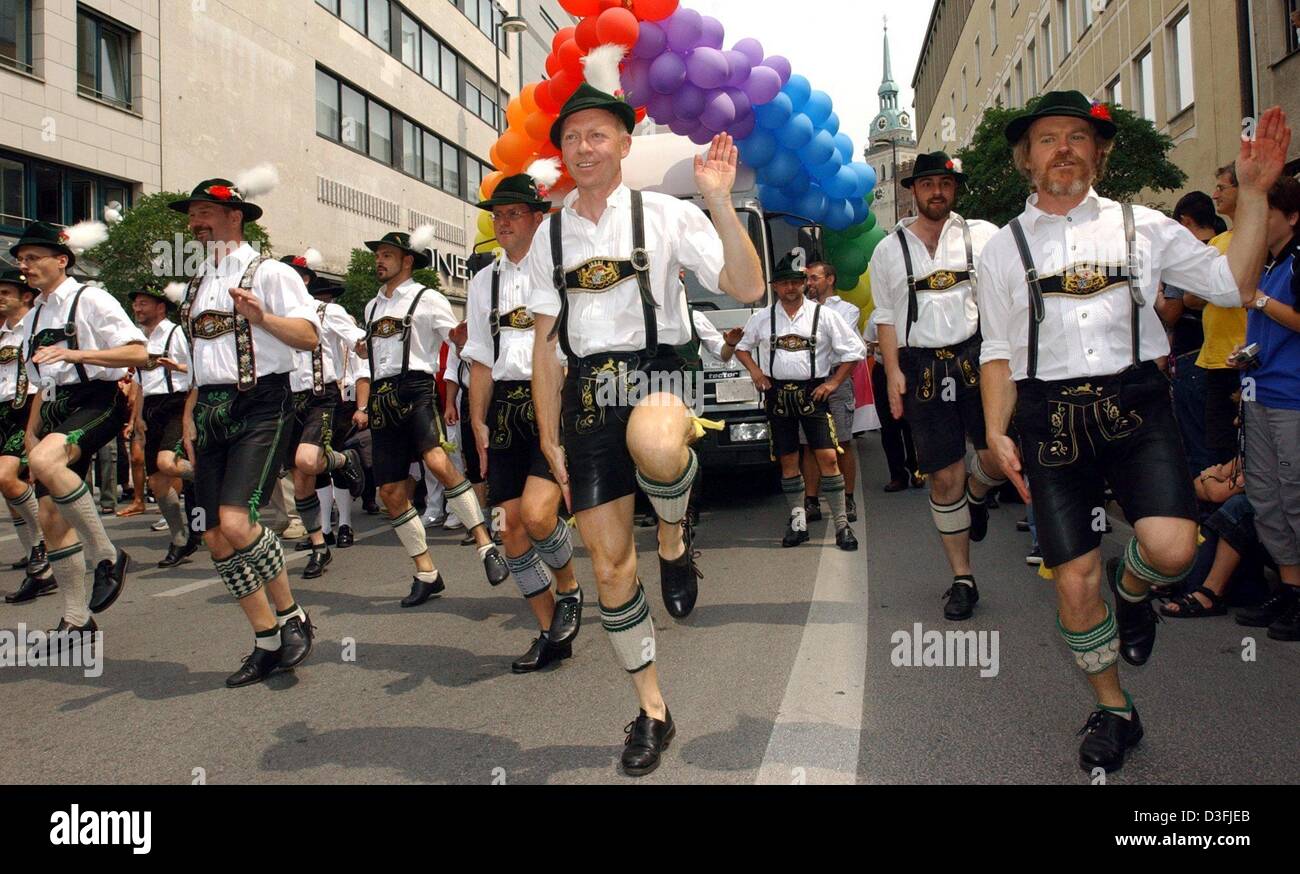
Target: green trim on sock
270,632
1127,708
66,552
73,495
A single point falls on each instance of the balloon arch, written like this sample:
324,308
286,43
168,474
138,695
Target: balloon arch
678,72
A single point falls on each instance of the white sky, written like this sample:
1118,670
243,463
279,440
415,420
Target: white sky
837,44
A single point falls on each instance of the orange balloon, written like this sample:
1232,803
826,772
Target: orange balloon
490,183
538,126
515,114
528,99
513,147
494,155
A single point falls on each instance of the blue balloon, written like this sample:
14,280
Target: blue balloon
860,210
774,199
832,126
783,167
774,114
797,133
819,150
844,145
797,187
839,215
818,107
843,184
757,148
826,171
813,205
867,174
797,89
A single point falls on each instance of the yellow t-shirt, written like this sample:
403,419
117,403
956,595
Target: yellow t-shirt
1225,328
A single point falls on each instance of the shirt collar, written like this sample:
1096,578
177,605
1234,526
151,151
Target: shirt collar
161,326
1291,248
18,325
234,263
803,305
401,291
620,196
949,223
66,287
1088,208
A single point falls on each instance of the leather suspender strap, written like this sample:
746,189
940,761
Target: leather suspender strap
69,334
167,345
1038,309
245,354
318,356
812,343
1136,301
641,263
406,330
370,331
771,347
561,328
912,308
188,304
970,251
20,379
494,314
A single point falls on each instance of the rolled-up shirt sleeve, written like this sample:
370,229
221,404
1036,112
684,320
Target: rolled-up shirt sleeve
282,292
108,322
710,337
341,324
887,285
753,331
995,298
441,319
545,299
478,315
1189,264
699,248
846,345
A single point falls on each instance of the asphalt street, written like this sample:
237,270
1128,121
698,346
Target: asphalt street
784,673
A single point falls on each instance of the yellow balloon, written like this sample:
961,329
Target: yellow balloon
485,228
860,297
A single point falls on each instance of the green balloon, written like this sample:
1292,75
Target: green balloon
846,282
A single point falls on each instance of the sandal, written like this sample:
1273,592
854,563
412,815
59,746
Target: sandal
1190,608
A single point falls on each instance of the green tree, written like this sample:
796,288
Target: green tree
141,249
360,285
996,191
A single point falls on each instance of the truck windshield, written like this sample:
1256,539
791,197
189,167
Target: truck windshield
701,298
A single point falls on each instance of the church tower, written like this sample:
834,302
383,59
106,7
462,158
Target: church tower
892,147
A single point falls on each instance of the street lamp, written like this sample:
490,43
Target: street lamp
510,24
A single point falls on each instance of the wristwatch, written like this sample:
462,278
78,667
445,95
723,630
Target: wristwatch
1261,301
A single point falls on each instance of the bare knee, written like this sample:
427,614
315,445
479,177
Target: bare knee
1170,556
47,457
393,495
160,483
235,526
948,484
308,458
828,464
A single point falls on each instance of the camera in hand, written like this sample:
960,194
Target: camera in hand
1247,357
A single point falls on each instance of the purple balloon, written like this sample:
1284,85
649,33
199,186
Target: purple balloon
743,127
667,73
651,43
660,108
636,82
763,84
719,112
740,68
684,28
701,137
684,128
750,48
782,67
688,102
707,68
712,32
741,99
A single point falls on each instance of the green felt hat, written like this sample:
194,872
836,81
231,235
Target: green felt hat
403,242
785,269
590,97
518,189
16,278
47,236
1067,103
321,286
221,192
155,293
933,164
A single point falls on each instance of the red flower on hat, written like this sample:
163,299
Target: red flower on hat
949,165
299,261
63,236
221,192
1100,111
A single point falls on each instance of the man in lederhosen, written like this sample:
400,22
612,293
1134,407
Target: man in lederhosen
406,325
606,288
1066,299
246,315
78,343
924,282
16,391
165,388
504,426
805,351
316,396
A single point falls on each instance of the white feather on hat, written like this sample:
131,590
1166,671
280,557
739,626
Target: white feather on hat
545,172
601,68
84,235
260,180
175,292
314,259
111,216
422,238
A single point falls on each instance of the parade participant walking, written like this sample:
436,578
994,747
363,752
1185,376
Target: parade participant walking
78,342
805,351
924,282
406,325
246,315
504,423
606,288
165,387
315,381
16,390
1071,341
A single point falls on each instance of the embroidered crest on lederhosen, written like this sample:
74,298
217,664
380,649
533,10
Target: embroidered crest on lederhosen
386,327
793,343
940,280
517,319
211,324
599,275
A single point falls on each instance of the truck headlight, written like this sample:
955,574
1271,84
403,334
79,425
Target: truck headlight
748,432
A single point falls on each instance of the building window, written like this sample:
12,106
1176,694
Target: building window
354,132
431,62
103,59
16,34
327,105
410,42
331,5
979,65
963,87
993,25
1088,13
450,73
1031,68
378,23
354,13
473,178
486,16
31,189
1006,92
450,169
1142,80
381,133
1046,42
1291,8
1115,92
1063,15
1180,68
412,149
1018,94
550,22
13,193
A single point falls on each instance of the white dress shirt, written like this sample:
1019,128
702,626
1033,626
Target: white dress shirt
515,363
339,333
101,324
710,337
154,382
12,338
1090,335
837,343
355,368
281,292
943,318
432,321
847,311
677,235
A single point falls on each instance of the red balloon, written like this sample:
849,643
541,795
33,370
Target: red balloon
580,7
548,151
545,102
552,64
654,10
571,58
562,36
586,34
563,86
640,115
610,4
618,26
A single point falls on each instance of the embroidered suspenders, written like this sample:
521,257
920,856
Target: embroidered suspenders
812,344
936,281
211,324
50,336
14,354
601,274
388,326
1038,307
318,356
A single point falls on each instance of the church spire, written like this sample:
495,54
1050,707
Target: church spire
892,123
889,76
888,89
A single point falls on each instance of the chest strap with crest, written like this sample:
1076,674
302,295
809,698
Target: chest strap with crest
51,336
812,344
245,356
940,280
388,327
318,356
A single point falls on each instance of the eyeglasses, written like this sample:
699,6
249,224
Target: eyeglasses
1219,189
25,260
512,215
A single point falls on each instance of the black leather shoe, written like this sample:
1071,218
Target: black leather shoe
961,600
346,537
495,566
812,509
258,665
296,638
19,565
305,544
31,589
895,485
647,737
37,562
1287,626
845,540
679,583
1136,622
371,509
794,536
979,521
110,579
317,563
64,638
177,554
541,654
1106,737
422,591
991,501
566,618
851,508
352,474
1268,612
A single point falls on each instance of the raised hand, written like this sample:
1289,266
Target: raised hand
715,171
248,306
1262,159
